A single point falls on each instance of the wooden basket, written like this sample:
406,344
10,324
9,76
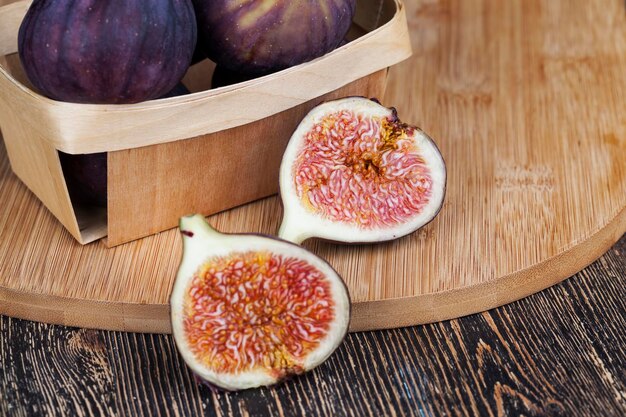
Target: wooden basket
204,152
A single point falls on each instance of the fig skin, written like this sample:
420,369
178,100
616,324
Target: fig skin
223,77
259,38
179,90
198,54
107,52
86,178
201,243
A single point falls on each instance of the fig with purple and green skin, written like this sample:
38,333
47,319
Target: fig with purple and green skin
107,52
263,36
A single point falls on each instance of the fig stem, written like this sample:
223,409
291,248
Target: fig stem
292,233
195,226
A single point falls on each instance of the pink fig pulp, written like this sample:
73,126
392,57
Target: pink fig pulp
250,310
353,172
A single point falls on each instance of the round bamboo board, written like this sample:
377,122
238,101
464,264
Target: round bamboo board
528,111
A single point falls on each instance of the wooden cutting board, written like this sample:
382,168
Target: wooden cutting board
527,100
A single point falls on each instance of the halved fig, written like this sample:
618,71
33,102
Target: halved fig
352,172
249,310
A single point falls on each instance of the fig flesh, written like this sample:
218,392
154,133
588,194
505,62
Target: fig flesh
249,310
352,172
261,37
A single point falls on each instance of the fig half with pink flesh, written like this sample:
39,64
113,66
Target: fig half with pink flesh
249,310
353,172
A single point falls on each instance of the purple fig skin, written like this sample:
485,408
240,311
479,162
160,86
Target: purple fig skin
107,52
198,54
86,178
223,77
261,37
179,90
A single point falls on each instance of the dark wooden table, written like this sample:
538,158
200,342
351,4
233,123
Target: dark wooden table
557,353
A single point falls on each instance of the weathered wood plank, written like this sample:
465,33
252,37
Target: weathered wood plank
52,370
557,353
527,109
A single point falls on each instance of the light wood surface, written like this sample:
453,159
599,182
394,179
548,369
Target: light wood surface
152,144
528,111
207,174
11,16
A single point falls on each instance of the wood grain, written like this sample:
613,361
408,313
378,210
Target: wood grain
528,113
556,353
12,16
208,174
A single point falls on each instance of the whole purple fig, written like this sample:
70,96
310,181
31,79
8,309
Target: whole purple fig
106,52
260,37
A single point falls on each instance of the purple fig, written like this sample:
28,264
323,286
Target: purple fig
261,37
107,52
